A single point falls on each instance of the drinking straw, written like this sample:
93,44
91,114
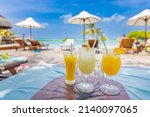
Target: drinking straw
71,49
104,43
94,43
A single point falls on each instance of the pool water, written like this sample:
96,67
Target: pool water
136,81
24,85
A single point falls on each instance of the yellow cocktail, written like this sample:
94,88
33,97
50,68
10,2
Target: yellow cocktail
86,65
70,62
111,64
86,61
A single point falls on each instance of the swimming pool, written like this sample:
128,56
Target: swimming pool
136,81
24,85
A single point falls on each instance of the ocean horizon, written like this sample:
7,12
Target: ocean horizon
55,43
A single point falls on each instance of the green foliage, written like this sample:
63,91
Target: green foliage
4,32
95,32
103,39
91,30
138,34
64,40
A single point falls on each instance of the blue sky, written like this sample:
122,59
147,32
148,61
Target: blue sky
54,14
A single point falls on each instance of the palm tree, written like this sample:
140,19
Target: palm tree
97,32
91,30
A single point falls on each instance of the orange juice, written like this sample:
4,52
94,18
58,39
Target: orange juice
111,64
70,61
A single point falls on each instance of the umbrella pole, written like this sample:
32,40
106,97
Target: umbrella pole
146,28
30,33
84,32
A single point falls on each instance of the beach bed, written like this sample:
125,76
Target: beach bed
127,44
9,46
10,64
23,44
37,45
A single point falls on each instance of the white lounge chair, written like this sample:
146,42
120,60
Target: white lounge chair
67,45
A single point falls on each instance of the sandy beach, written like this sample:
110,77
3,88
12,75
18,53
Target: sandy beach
55,56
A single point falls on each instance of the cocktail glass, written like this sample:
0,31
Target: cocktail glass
70,59
111,63
86,64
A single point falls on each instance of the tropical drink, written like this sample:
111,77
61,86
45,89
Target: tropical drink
111,64
86,60
86,65
70,62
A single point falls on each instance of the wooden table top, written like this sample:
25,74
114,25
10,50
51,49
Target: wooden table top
57,89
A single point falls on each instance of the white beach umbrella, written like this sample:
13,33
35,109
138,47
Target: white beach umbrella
30,23
84,18
141,19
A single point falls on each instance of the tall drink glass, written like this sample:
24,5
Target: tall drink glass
70,63
111,63
86,65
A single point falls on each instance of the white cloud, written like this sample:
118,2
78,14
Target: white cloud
45,24
66,18
114,18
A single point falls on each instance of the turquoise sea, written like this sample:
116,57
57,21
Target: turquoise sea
55,43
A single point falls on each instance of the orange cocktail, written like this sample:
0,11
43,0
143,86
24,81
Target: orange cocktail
70,62
111,63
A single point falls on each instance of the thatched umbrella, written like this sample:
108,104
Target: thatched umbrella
4,23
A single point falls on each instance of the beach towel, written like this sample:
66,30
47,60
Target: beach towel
13,59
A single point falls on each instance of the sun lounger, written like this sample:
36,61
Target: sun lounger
92,41
11,64
37,45
127,44
7,39
9,46
68,44
22,43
